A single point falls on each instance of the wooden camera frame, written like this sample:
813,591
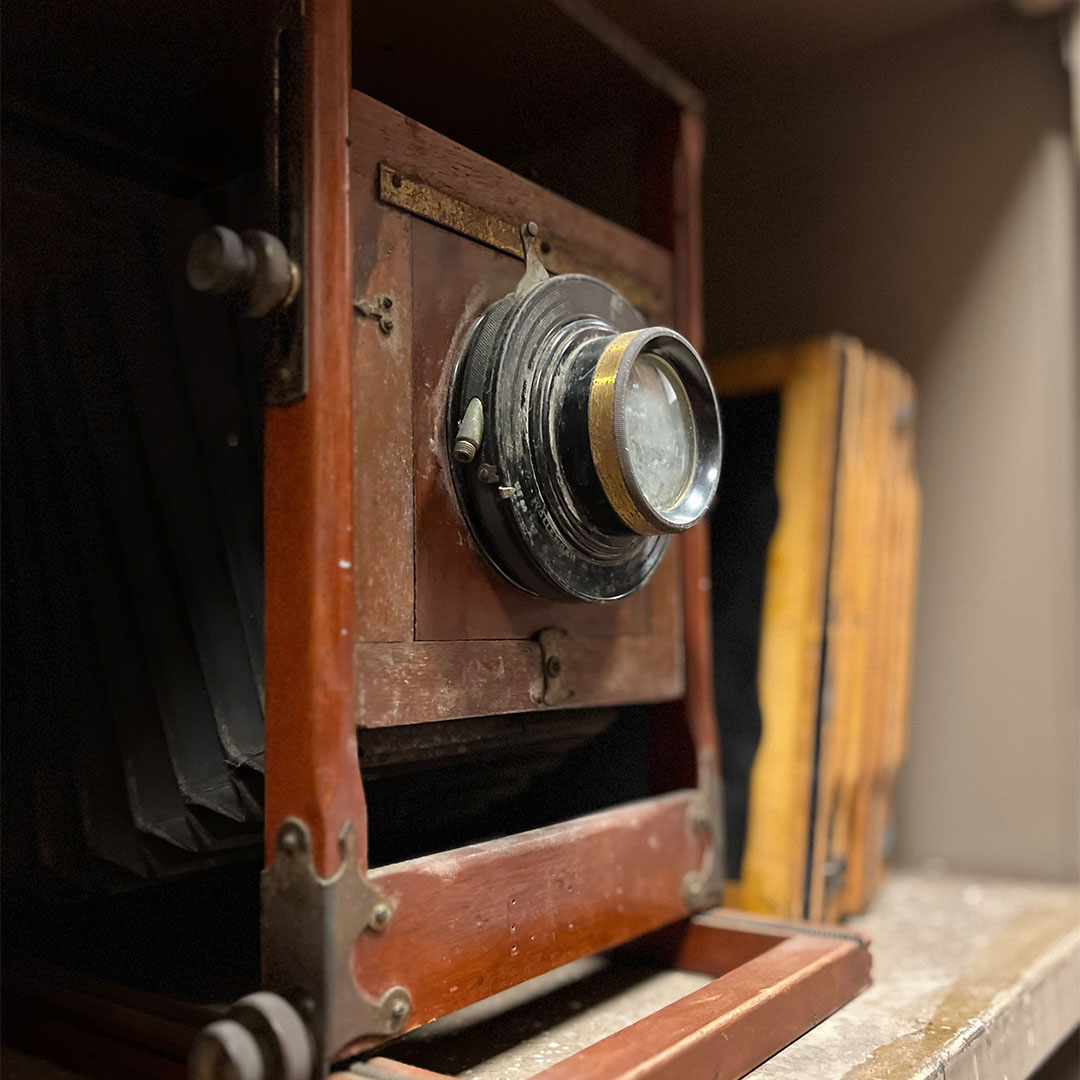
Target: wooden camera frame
388,241
412,942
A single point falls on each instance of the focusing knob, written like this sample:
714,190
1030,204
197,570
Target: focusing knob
252,270
262,1038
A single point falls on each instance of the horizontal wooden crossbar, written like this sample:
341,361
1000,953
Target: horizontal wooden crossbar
774,986
489,916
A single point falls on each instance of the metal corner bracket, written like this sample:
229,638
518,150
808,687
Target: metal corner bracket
310,926
704,887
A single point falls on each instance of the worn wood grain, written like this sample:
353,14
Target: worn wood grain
425,681
425,580
311,769
793,612
580,240
483,918
382,422
724,1029
459,594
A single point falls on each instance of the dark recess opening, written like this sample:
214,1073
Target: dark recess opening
742,526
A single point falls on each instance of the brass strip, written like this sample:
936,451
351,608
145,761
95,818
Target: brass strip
602,439
436,206
415,197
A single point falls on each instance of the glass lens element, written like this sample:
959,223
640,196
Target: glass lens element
660,438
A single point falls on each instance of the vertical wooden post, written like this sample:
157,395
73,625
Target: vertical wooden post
311,765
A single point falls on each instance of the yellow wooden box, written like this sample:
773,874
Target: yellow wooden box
809,804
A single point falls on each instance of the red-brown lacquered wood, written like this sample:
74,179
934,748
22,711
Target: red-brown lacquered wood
695,945
671,211
689,158
725,1029
311,769
471,922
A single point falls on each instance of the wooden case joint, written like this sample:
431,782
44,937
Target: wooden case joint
310,926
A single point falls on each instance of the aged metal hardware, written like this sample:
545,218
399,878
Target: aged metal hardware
705,886
535,271
252,270
377,308
424,201
577,397
551,641
286,198
439,208
309,928
470,432
258,272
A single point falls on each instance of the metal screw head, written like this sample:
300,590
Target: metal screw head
554,667
399,1010
386,324
464,450
380,916
487,474
387,302
532,229
289,841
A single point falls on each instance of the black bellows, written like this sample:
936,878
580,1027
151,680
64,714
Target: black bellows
132,541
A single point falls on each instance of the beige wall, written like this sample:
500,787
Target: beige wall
922,195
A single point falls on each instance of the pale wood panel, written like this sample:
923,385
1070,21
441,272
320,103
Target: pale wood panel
792,632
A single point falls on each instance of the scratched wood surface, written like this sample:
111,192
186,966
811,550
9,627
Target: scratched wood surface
834,667
579,240
510,909
868,638
440,634
968,973
792,631
311,769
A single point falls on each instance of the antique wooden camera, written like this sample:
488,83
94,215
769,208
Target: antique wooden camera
469,516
